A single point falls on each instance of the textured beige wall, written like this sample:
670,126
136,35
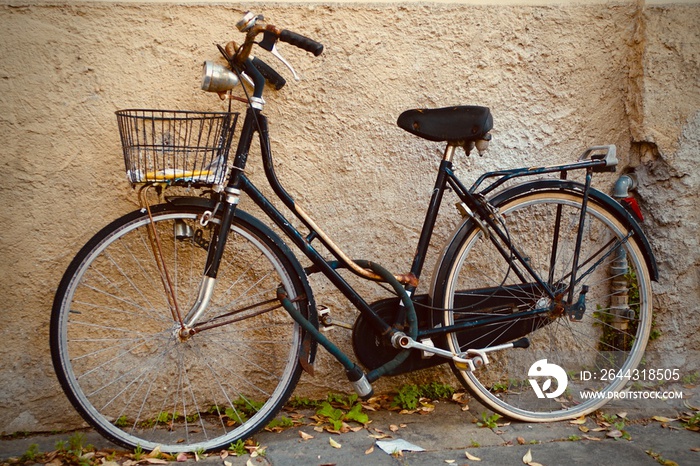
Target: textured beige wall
558,78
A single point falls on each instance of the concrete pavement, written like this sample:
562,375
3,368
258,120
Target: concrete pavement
649,435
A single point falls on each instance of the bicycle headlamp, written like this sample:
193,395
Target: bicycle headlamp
217,78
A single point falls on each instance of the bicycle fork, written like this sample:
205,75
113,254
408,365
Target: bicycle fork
214,254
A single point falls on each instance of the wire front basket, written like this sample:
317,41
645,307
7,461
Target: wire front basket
176,147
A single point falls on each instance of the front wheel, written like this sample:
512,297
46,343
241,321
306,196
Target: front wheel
574,362
132,374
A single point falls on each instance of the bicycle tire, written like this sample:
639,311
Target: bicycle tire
599,353
116,347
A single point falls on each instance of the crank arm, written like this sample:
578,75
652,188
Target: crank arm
469,360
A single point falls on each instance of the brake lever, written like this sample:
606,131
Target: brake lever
269,43
277,55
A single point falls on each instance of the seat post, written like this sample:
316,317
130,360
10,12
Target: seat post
450,151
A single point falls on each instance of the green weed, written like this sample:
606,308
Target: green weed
690,379
238,448
31,454
336,416
407,397
138,453
302,403
280,422
488,421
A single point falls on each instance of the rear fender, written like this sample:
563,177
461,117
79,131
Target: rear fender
621,214
598,197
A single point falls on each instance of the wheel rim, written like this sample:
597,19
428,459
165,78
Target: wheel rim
580,348
158,390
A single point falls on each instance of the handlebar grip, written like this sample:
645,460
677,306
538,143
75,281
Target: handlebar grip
272,76
302,42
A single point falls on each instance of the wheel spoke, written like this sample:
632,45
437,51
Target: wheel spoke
544,226
121,358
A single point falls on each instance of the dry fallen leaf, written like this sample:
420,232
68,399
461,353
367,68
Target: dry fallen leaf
333,443
583,428
369,450
155,453
471,457
590,437
662,419
427,407
527,459
579,421
182,457
687,404
614,434
304,436
393,427
228,463
521,441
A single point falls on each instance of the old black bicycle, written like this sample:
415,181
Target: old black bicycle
186,324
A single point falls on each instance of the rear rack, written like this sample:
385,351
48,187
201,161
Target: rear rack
596,158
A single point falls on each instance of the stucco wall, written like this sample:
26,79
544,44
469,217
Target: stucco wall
558,78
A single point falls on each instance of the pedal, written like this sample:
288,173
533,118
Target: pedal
427,354
325,318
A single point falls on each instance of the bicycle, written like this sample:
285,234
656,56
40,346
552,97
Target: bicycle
186,325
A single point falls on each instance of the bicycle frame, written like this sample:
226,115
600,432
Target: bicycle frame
529,240
473,202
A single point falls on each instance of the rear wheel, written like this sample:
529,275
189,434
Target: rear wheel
572,364
122,360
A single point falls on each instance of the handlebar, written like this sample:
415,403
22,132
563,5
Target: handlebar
241,59
272,76
254,25
302,42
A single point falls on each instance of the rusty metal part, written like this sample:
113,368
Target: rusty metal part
218,322
404,279
244,51
154,239
559,309
305,357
